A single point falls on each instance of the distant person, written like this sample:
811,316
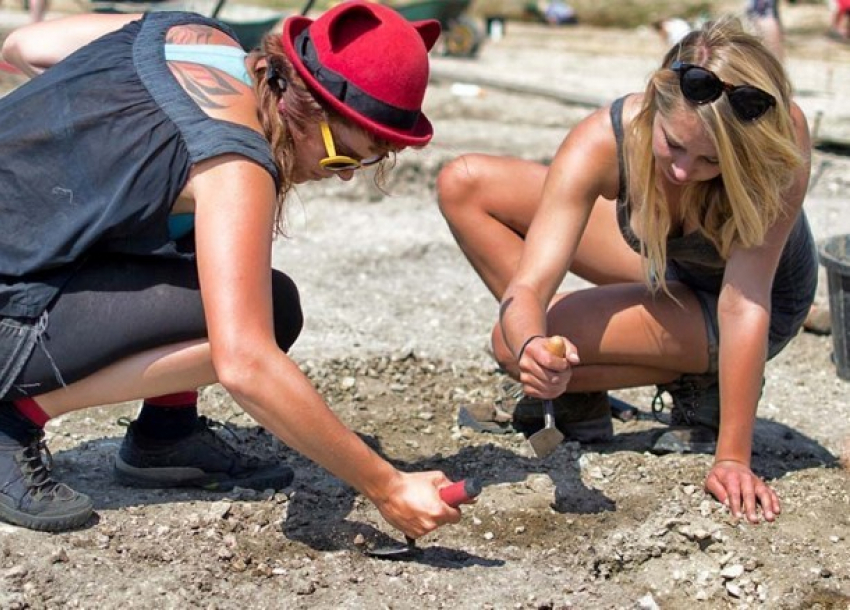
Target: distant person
764,15
672,30
840,20
683,205
558,12
38,8
143,176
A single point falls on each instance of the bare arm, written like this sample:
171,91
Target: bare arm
36,47
584,168
234,215
744,319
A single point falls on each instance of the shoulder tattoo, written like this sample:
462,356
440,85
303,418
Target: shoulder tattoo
207,86
190,34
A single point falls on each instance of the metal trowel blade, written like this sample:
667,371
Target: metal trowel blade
545,441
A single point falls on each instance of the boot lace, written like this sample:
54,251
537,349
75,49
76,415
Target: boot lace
209,427
685,397
36,462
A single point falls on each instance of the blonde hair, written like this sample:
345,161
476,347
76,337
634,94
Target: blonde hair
757,159
302,110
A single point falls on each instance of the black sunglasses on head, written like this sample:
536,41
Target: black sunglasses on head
702,86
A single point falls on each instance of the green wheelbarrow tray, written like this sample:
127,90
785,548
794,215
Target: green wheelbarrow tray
461,37
249,23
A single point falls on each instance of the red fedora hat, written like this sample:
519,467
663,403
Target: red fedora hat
369,64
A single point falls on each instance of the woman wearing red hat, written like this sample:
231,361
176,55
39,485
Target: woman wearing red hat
142,178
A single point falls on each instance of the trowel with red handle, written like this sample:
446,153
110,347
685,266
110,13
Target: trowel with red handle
462,492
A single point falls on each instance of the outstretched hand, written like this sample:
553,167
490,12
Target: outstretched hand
736,486
413,504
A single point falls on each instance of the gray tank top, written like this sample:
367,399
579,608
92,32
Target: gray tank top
697,262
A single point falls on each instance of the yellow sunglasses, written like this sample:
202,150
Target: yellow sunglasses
342,163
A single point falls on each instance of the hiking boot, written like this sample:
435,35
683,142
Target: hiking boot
29,497
582,417
694,416
203,459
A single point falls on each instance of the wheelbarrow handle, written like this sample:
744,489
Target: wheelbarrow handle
461,492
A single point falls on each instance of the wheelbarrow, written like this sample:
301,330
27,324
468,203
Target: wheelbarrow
461,37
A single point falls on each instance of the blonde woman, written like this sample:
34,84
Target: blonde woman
683,205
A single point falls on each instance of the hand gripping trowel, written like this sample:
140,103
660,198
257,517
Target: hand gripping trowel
545,441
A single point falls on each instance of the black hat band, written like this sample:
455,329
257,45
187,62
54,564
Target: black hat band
349,94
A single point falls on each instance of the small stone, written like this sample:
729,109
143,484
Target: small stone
647,602
359,540
488,535
733,589
732,572
17,572
219,510
224,553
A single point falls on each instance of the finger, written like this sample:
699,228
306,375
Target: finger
748,493
713,486
572,353
733,488
768,500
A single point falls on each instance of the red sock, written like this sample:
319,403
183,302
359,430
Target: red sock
178,399
168,417
31,410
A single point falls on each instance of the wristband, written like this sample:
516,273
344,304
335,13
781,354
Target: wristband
525,344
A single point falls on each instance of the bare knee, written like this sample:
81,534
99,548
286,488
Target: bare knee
503,356
457,183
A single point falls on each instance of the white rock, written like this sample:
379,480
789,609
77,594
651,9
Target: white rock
647,602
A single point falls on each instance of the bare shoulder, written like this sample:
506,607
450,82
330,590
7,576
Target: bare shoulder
217,92
196,33
597,129
591,150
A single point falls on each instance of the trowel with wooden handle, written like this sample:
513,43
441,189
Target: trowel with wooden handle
545,441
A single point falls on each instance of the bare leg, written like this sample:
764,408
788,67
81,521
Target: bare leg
163,370
489,202
625,336
37,10
772,36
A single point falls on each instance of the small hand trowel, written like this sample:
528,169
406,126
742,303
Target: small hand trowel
545,441
462,492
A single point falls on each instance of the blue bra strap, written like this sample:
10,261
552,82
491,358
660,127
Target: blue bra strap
227,59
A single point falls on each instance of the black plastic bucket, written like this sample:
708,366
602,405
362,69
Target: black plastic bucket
835,257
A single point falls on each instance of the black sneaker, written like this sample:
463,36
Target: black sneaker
29,497
582,417
694,416
202,459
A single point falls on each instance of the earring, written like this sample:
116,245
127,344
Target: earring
275,79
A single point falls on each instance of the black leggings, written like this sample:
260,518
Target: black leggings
121,306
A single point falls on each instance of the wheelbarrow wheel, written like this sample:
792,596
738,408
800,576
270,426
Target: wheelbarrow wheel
462,38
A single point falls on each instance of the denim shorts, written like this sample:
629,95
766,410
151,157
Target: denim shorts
790,303
18,338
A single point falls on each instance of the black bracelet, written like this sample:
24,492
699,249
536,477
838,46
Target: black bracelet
525,344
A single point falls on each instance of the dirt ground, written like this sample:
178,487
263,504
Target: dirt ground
396,338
